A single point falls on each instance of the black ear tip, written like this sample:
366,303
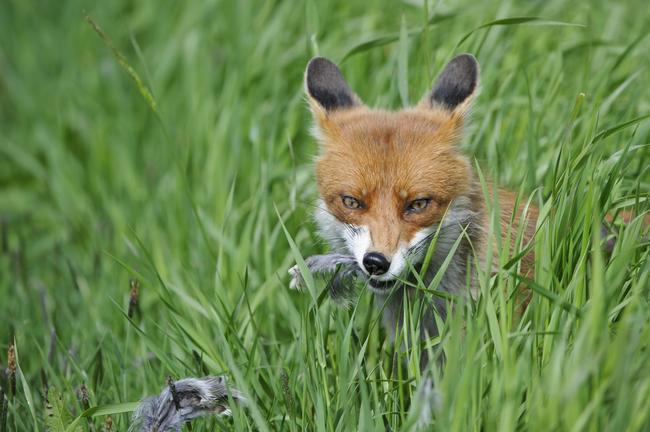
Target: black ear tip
320,71
457,81
468,62
325,83
320,64
465,66
467,59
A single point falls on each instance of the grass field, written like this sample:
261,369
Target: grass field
185,181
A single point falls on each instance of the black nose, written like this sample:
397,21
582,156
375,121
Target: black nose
376,263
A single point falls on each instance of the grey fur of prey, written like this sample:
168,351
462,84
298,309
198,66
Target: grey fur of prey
341,286
183,401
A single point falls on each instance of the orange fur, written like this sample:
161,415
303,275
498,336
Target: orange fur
390,158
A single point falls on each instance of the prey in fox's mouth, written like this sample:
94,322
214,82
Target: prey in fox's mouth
345,273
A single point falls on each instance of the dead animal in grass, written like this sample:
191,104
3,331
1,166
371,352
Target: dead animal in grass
182,401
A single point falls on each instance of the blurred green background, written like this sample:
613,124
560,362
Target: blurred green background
98,188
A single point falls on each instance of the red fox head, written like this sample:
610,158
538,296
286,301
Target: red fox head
387,178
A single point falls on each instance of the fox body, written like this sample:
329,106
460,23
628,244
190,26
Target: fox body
391,181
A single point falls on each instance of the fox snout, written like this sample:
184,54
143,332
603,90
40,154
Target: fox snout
373,256
375,263
381,245
384,236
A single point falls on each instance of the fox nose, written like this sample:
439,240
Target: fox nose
376,263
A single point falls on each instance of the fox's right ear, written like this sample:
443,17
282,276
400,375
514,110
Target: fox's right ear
327,89
456,85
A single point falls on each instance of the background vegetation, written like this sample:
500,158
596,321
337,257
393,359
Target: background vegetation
186,192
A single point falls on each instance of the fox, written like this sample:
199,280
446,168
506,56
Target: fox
389,182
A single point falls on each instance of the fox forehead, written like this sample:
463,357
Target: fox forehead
356,128
407,153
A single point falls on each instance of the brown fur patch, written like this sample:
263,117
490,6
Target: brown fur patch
387,160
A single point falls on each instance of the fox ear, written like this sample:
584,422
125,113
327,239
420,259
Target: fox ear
456,84
327,89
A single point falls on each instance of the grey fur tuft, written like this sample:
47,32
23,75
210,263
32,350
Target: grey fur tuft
194,397
344,268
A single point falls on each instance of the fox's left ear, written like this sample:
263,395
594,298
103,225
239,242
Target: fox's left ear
455,87
327,89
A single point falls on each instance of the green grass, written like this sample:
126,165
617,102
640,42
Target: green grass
96,189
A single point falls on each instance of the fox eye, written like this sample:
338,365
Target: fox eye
418,205
350,202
